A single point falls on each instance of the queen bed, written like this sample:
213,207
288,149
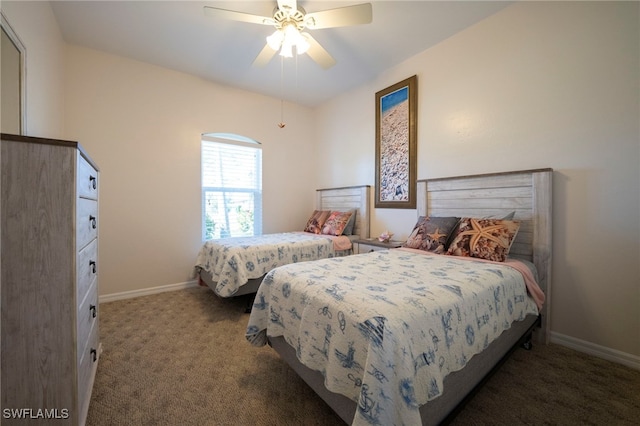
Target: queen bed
405,336
236,266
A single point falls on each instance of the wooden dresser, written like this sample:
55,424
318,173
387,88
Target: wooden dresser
49,280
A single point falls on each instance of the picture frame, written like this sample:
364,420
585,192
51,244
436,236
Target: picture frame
396,145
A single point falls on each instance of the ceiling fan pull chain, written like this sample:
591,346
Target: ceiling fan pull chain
281,124
297,93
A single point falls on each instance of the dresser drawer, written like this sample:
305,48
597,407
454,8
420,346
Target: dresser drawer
87,265
86,370
87,179
86,221
87,317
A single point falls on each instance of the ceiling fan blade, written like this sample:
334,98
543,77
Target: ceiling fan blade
237,16
264,57
318,53
287,5
340,17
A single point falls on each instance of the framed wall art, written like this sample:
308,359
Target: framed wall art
396,145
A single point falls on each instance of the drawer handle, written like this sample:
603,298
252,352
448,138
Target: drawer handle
92,308
93,221
92,265
93,181
94,355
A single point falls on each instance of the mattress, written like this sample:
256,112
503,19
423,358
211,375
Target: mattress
232,262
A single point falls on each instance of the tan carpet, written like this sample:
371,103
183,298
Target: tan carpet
180,358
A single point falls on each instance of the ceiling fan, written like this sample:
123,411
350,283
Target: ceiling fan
290,20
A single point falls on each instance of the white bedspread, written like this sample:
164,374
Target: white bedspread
232,262
386,327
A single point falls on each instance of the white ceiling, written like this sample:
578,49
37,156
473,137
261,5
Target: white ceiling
177,35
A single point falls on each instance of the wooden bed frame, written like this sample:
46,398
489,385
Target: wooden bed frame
340,199
528,193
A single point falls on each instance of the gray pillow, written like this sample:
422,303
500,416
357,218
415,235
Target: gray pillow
348,229
505,217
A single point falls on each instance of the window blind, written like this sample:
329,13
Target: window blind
231,188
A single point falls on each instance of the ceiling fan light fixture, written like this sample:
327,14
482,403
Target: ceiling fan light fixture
286,38
286,50
275,40
302,45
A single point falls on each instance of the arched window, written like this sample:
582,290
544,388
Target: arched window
231,186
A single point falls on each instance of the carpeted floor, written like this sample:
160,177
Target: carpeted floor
180,358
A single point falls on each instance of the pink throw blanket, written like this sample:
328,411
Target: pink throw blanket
341,243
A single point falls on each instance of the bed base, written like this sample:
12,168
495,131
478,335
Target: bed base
459,387
248,290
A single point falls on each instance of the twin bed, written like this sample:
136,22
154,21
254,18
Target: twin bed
236,266
404,336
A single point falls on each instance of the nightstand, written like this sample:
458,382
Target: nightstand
373,244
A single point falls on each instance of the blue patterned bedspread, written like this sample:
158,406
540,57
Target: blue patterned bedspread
232,262
386,327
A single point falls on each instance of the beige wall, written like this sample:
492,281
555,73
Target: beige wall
540,84
142,125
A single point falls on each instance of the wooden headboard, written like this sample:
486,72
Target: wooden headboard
528,193
347,198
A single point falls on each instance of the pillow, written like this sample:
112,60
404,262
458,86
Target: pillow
509,216
488,239
335,223
431,234
316,221
348,229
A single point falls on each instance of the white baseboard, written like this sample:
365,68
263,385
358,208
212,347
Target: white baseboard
146,291
603,352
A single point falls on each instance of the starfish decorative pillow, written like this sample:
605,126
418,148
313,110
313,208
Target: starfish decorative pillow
431,234
489,239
